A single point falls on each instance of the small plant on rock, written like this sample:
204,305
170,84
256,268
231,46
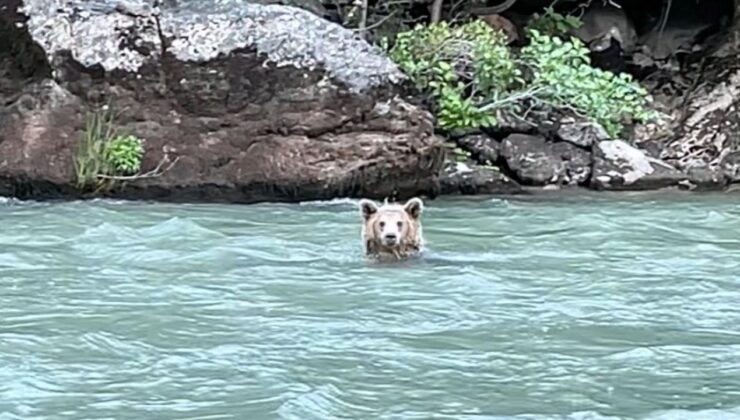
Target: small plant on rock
124,154
89,160
104,157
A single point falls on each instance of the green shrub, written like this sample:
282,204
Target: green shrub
553,23
470,74
447,61
563,70
102,154
124,154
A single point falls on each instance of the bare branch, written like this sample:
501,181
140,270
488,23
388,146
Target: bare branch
154,173
516,97
378,23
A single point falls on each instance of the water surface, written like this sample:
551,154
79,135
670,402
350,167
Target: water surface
588,307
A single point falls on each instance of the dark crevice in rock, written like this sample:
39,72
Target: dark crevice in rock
506,170
162,39
21,59
37,189
503,166
667,26
485,173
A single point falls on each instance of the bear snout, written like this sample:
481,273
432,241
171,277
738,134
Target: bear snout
390,239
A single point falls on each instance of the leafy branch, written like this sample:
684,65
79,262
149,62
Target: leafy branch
469,72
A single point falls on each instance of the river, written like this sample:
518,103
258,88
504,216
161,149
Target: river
551,307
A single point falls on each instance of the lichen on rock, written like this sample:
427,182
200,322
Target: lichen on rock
285,35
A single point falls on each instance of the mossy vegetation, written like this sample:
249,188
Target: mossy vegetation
472,75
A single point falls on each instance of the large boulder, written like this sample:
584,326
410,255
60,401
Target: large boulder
536,161
621,166
581,132
483,149
468,178
236,102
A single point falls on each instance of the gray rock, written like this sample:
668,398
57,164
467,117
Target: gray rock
730,166
536,161
705,179
707,135
201,31
577,163
620,166
459,178
482,148
581,133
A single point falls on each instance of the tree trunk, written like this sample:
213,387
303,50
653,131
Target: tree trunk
437,11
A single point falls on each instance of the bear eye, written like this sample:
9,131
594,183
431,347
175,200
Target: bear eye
382,225
399,224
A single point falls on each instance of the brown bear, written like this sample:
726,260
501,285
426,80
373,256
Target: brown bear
392,231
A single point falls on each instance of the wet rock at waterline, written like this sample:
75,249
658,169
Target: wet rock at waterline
243,104
467,178
536,161
618,165
705,179
37,139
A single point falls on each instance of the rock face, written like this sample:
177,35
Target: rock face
243,103
707,137
700,132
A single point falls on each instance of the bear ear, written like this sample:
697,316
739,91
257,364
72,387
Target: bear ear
367,208
414,207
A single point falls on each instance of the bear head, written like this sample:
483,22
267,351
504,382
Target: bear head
393,229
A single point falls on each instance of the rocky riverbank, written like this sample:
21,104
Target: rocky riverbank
690,65
245,102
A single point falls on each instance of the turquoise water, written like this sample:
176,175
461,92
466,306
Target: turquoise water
553,307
